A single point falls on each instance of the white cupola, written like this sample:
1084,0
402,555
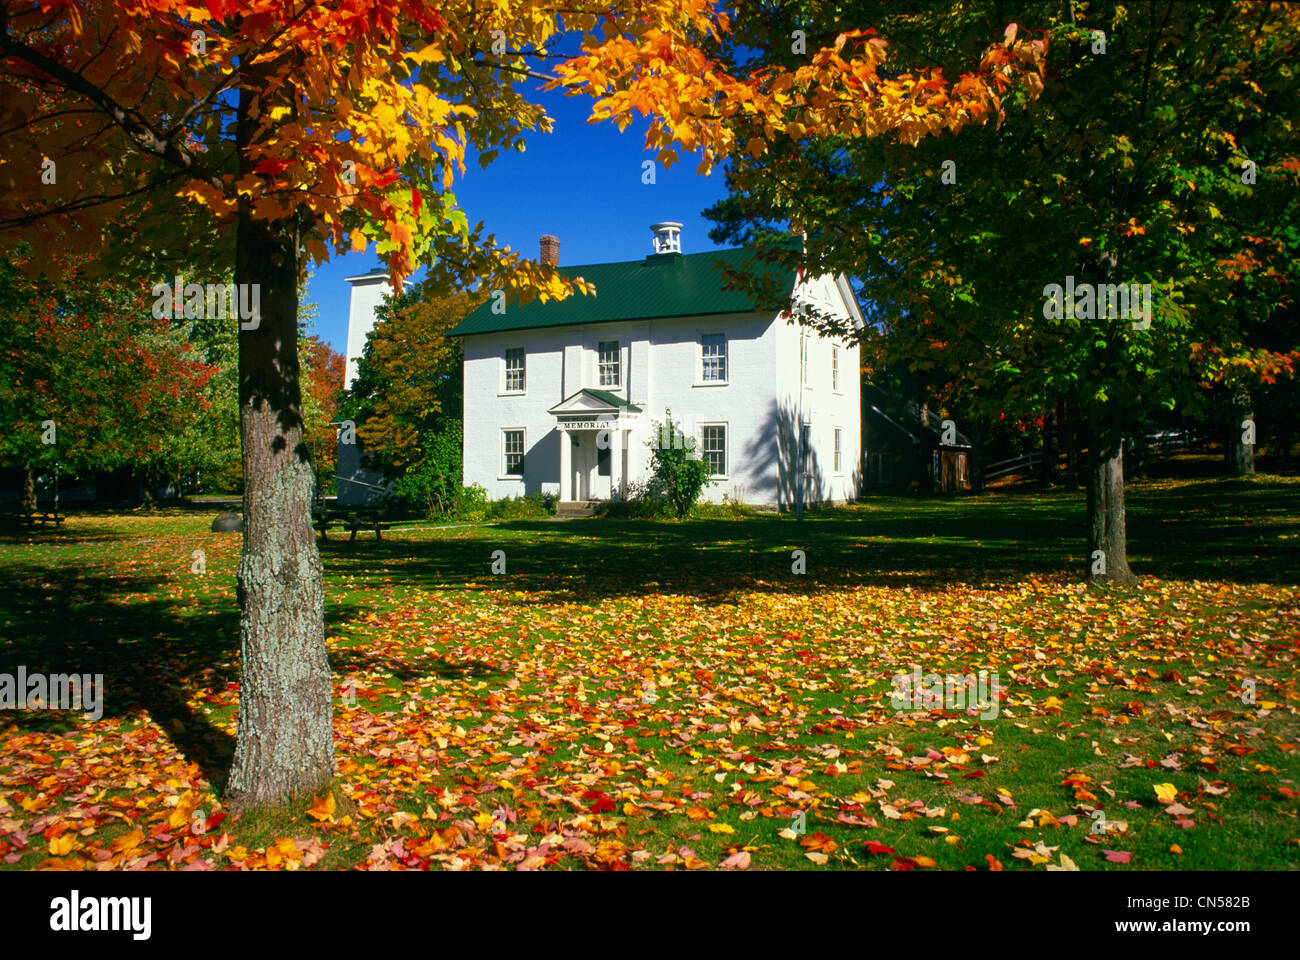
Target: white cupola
667,237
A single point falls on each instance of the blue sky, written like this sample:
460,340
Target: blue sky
582,183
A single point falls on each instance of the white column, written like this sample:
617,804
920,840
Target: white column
566,466
615,461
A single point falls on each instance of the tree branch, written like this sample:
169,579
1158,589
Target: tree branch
135,126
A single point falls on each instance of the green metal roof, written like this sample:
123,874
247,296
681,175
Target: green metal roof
606,397
661,285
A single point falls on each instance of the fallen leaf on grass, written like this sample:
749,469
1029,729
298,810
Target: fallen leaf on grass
322,808
737,861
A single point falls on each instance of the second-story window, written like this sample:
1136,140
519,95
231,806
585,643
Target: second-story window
515,370
713,356
835,369
609,364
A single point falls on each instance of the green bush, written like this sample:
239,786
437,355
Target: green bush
531,507
726,510
677,473
433,486
637,505
468,503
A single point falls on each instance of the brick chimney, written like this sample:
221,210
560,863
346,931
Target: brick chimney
550,250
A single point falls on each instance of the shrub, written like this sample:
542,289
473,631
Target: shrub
640,502
726,510
468,503
432,485
677,473
530,507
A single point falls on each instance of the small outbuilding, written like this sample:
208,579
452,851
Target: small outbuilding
908,448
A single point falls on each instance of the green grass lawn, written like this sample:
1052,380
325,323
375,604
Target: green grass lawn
634,694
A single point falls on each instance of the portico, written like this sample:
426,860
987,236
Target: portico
595,427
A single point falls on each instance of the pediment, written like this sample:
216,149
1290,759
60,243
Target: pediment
589,401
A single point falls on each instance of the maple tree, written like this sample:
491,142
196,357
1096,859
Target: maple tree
410,380
1162,152
212,441
323,369
116,390
303,130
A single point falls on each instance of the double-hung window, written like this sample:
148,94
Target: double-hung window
714,448
713,357
515,379
839,461
835,369
609,364
512,446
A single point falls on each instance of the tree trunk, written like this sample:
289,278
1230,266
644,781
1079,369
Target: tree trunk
1239,454
29,488
1107,539
285,742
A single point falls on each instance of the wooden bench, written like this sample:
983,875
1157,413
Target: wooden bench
350,518
40,518
47,511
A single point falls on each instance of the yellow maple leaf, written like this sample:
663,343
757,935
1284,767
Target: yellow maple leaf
1166,792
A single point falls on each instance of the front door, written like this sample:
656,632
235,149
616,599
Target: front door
584,464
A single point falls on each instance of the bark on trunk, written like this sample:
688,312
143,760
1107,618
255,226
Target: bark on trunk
29,489
1107,538
285,741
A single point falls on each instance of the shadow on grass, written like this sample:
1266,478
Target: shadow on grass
162,655
1243,531
156,656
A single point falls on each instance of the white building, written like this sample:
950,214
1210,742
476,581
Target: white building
368,292
563,397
